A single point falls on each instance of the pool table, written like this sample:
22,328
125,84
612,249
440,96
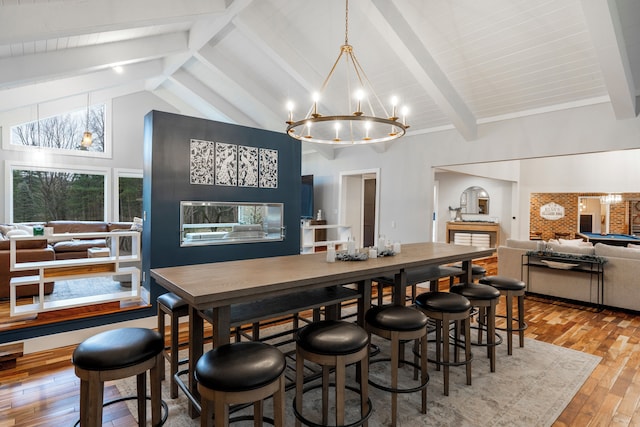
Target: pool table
610,239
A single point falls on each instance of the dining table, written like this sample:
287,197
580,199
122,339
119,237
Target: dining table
218,286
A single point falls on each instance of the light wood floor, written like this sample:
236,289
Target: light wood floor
43,390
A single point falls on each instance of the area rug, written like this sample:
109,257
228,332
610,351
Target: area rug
77,288
530,388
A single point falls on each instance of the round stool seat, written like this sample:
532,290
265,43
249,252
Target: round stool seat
476,291
240,366
503,283
172,301
117,349
332,337
396,318
443,302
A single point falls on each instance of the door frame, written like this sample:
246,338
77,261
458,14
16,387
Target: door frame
351,200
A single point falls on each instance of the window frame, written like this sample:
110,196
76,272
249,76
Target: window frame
10,166
26,115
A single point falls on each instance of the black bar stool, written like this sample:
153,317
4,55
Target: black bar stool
169,304
444,308
400,324
510,288
485,298
332,344
113,355
241,372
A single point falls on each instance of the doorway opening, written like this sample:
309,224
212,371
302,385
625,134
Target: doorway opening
359,205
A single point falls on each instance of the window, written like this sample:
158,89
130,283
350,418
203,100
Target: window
46,194
63,132
128,194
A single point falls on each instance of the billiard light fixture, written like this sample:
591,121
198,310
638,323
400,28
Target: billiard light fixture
361,125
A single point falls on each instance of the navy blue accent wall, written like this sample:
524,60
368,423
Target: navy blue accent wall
166,182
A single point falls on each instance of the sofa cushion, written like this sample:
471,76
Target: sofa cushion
574,242
632,246
24,244
616,251
523,244
112,226
78,245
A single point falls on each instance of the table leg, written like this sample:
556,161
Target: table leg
196,348
221,325
364,303
400,288
467,266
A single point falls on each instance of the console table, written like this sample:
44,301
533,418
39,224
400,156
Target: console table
587,264
492,229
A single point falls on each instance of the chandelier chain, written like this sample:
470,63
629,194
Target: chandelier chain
346,23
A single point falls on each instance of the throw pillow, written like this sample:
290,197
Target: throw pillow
18,233
5,228
27,228
577,242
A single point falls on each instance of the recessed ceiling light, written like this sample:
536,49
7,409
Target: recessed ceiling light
118,69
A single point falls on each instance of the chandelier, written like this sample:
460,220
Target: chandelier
610,199
361,125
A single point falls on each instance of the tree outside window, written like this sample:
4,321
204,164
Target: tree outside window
47,195
64,131
129,198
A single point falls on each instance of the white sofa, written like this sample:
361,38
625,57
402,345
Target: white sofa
621,273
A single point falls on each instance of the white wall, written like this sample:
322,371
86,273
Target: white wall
407,168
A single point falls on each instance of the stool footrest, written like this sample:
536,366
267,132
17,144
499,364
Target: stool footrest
310,423
398,390
518,329
483,344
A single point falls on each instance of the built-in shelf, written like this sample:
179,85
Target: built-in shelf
337,235
70,269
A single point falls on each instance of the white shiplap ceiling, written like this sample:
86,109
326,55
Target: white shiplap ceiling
455,63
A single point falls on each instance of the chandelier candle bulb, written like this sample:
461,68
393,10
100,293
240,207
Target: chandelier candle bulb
290,109
394,105
405,111
308,130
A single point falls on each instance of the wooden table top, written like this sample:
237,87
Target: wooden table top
229,282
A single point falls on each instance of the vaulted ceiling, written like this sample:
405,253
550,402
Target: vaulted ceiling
455,63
